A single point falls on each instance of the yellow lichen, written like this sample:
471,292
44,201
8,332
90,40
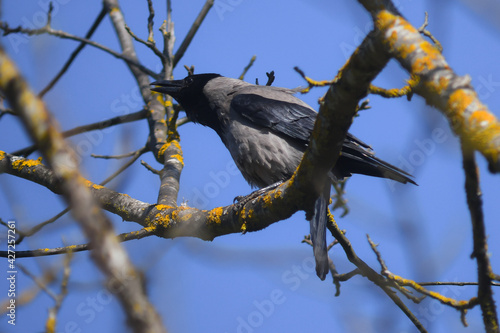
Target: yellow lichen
215,215
163,149
178,157
50,325
163,207
22,163
186,217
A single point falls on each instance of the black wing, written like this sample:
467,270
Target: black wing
297,121
285,118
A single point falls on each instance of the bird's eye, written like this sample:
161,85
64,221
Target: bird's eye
189,80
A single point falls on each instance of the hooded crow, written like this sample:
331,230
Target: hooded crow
266,129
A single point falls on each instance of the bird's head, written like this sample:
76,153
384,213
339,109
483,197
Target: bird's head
190,95
185,89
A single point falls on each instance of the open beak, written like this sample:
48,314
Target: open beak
170,87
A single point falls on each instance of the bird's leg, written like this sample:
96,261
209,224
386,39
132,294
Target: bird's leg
241,200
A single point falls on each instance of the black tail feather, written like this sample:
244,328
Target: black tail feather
318,233
357,159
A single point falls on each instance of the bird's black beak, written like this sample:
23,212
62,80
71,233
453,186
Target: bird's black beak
170,87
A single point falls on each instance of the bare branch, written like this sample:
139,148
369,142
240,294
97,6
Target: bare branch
91,127
247,67
438,84
145,232
64,35
427,33
194,28
51,320
44,130
75,53
484,271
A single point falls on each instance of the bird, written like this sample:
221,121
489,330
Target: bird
266,130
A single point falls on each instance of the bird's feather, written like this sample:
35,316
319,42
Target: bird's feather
285,118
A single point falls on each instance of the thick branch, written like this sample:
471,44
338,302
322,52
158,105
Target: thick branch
337,111
156,111
108,254
453,95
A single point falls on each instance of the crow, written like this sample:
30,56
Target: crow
266,129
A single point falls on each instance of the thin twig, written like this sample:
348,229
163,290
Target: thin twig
150,168
150,21
51,320
194,28
145,232
107,157
37,281
73,55
427,33
23,234
138,153
367,271
313,83
64,35
182,121
450,283
484,271
90,127
247,67
39,226
399,283
270,78
149,43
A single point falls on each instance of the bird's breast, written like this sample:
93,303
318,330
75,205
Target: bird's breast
262,156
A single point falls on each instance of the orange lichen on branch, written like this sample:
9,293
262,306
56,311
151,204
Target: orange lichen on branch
474,123
50,325
214,216
164,207
24,163
453,95
461,305
177,151
178,157
162,99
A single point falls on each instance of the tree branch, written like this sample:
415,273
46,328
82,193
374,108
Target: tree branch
108,254
145,232
64,35
453,95
484,271
194,28
74,54
91,127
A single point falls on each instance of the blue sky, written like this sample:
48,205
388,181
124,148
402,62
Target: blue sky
262,281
